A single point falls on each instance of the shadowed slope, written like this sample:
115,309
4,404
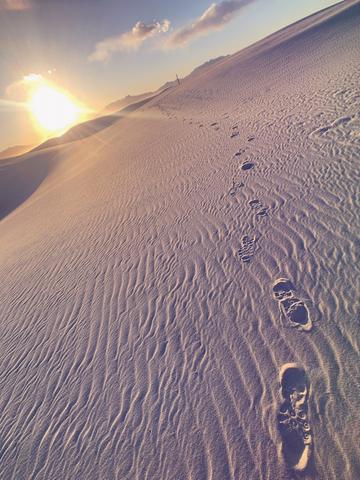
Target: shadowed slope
15,151
20,178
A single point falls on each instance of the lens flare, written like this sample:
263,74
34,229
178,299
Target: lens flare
52,109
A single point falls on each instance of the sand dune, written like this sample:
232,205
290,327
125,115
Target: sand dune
179,295
95,125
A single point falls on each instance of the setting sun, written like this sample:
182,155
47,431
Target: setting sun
52,109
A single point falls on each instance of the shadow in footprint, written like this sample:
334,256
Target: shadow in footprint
263,212
240,152
255,204
296,311
293,423
247,166
283,288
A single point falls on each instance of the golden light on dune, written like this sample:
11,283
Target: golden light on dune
52,109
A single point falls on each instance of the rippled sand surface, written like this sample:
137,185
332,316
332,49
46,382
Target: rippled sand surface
180,290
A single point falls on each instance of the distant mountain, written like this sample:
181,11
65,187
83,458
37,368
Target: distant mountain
131,99
15,151
125,102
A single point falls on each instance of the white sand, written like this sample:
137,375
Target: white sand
140,336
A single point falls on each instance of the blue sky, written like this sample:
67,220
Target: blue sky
103,50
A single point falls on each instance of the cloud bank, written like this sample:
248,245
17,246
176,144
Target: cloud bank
15,5
131,40
214,18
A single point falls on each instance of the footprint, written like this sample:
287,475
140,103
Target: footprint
292,309
247,248
240,152
234,134
235,188
247,166
293,423
214,124
263,212
255,204
282,288
250,139
341,121
333,128
322,130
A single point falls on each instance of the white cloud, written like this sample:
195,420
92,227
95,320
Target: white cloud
19,90
15,5
32,77
214,18
131,40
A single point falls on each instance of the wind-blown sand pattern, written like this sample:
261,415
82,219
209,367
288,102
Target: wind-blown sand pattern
135,343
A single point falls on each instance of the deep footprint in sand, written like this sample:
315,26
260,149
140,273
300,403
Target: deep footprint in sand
293,423
292,309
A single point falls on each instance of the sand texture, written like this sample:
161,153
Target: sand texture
180,289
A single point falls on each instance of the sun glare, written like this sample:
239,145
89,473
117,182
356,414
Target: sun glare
53,110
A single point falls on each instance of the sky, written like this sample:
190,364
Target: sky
101,50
